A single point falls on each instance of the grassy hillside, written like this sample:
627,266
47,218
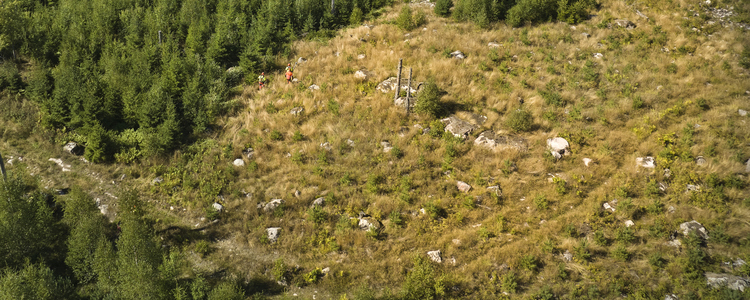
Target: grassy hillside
671,88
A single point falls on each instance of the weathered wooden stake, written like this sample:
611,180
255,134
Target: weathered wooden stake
2,166
159,37
398,79
408,92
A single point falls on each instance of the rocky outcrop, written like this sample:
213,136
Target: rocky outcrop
218,207
297,111
463,186
625,24
369,223
435,256
457,55
694,226
645,162
73,148
65,167
318,202
362,75
492,141
736,283
273,234
314,87
386,146
389,85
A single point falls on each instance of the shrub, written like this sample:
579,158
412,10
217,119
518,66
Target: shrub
443,7
620,253
582,250
356,16
10,78
276,135
316,214
422,282
510,282
420,18
552,98
519,120
297,136
600,239
656,261
313,276
428,100
541,202
395,218
625,235
404,19
396,152
672,68
202,247
531,11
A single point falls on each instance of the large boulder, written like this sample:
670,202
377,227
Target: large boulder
73,148
736,283
401,102
273,234
558,147
492,141
694,226
458,127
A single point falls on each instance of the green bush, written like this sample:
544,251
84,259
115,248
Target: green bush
529,262
428,100
10,78
316,214
202,247
419,19
519,120
404,19
510,282
356,17
313,276
620,253
276,135
541,202
422,282
531,11
443,7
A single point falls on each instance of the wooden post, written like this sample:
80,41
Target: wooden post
2,166
408,92
398,79
159,37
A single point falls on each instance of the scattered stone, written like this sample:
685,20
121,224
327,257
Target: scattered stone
73,148
493,45
386,146
361,75
314,87
326,146
495,189
742,112
629,223
326,270
350,142
62,191
694,226
459,128
297,111
586,35
646,162
671,209
297,194
567,256
238,162
598,55
747,166
389,85
401,102
435,256
457,55
609,207
456,242
738,263
674,243
319,202
59,162
667,173
301,60
716,280
700,161
671,297
640,14
218,207
587,161
492,141
157,181
273,234
558,147
692,188
271,205
361,56
625,24
463,186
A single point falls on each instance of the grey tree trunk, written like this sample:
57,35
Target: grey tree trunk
2,166
398,79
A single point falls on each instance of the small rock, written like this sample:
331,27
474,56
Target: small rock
493,45
646,162
326,270
742,112
671,209
495,189
314,87
73,148
567,256
301,60
248,152
492,141
297,111
598,55
694,226
700,161
297,194
326,146
457,55
586,35
692,188
361,75
271,205
361,56
667,173
157,180
386,146
640,14
671,297
273,234
625,23
319,201
609,207
218,207
463,186
350,142
747,166
558,147
674,243
435,256
716,280
238,162
587,161
368,223
629,223
65,167
459,128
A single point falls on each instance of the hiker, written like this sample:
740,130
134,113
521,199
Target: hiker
289,73
261,80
